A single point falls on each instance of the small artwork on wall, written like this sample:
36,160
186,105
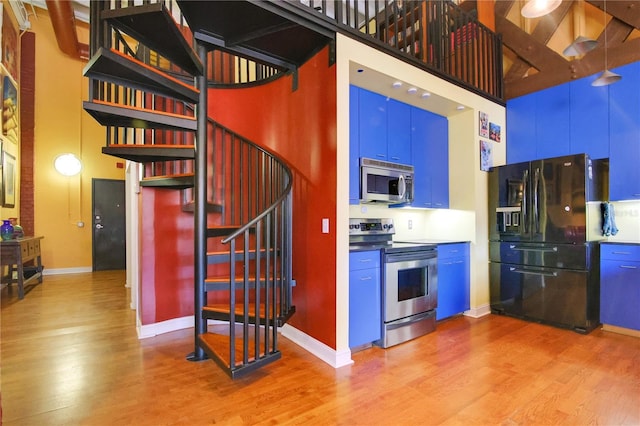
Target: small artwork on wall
9,110
484,124
8,180
486,156
9,45
494,132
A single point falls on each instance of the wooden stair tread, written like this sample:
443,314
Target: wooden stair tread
153,26
150,153
219,345
114,66
178,181
224,308
211,207
112,114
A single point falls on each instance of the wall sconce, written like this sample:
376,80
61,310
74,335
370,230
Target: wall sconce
537,8
67,164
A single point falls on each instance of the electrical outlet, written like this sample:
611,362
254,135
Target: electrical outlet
410,224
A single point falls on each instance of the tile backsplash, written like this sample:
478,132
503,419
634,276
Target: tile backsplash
627,218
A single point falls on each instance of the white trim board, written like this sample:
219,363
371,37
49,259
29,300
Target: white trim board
315,347
62,271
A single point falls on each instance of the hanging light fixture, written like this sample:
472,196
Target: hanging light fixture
581,44
607,77
537,8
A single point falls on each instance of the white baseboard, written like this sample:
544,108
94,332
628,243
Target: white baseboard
62,271
151,330
325,353
478,312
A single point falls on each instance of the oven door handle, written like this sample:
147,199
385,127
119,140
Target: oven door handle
408,257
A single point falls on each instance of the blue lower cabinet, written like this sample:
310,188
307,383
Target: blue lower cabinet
620,285
365,304
453,280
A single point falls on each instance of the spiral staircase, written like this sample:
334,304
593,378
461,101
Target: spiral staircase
151,65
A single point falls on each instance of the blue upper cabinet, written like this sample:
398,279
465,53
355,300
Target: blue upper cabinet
553,115
521,129
589,126
430,152
354,147
624,134
372,124
398,132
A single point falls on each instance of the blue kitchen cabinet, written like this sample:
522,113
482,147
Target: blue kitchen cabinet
398,132
439,161
453,279
354,146
430,154
521,129
365,303
589,131
620,285
624,135
372,125
553,116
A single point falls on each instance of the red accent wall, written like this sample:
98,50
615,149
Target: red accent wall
301,127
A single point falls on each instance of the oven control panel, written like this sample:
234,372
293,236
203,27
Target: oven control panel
362,226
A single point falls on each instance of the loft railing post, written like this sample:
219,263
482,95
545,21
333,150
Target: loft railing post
200,208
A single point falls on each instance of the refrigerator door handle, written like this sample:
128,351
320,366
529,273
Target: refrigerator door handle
537,249
536,205
530,272
524,205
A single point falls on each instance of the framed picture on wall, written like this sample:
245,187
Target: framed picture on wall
494,132
486,156
1,177
8,180
9,110
483,119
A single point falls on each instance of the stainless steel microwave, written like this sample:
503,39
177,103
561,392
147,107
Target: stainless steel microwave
384,182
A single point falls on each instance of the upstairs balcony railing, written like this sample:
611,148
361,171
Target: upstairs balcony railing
436,35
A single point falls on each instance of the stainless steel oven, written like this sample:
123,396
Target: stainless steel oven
409,280
410,290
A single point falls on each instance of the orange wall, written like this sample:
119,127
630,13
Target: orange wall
62,126
301,127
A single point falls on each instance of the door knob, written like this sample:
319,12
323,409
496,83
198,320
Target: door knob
99,226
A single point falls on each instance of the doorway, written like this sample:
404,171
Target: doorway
109,224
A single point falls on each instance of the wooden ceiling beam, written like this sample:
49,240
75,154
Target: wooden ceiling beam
503,7
617,56
526,47
542,33
627,11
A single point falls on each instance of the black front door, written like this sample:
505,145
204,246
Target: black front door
109,230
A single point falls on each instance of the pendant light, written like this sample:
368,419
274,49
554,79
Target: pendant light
607,77
581,45
537,8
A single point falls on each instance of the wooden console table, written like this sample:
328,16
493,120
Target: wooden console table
14,254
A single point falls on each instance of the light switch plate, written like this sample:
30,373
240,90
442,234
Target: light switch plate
325,225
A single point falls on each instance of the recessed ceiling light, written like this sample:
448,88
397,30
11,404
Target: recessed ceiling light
397,84
426,94
412,90
460,107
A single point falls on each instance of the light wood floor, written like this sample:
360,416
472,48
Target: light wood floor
70,356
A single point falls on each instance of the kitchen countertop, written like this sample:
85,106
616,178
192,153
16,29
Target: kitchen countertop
633,243
356,247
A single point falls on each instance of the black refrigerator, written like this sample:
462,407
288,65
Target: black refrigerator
544,223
